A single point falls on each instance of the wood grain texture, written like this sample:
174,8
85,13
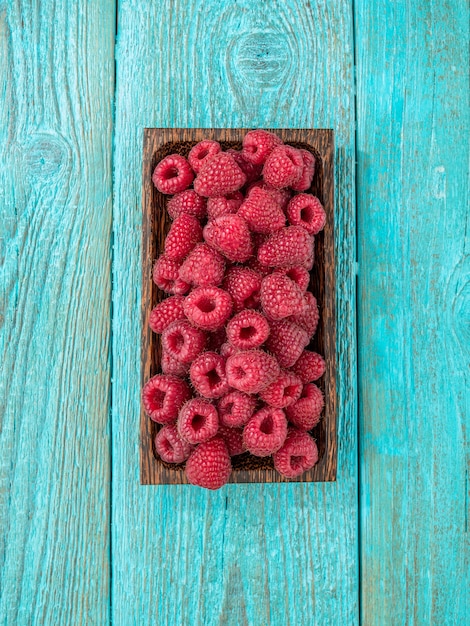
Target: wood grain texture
248,554
158,143
413,156
56,89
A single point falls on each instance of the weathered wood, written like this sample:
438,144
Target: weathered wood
56,90
414,304
158,143
279,554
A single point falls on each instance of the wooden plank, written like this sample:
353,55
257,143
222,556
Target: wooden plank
414,303
248,554
56,86
159,142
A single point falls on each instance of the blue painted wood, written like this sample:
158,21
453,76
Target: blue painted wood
248,554
56,89
414,304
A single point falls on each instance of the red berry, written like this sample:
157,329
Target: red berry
224,205
306,412
219,176
233,438
258,144
309,366
244,285
251,171
172,174
203,266
207,373
247,329
287,247
298,454
298,274
265,432
286,342
282,196
308,171
166,276
236,408
198,421
162,397
284,391
208,307
261,212
251,371
165,313
202,152
281,297
306,211
183,235
169,445
309,316
283,167
259,268
186,202
229,234
182,341
172,366
209,465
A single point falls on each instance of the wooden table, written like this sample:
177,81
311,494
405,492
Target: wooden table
81,541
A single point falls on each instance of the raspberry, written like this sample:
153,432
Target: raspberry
208,307
280,296
298,274
286,342
287,247
227,349
259,268
261,212
224,205
258,144
169,445
305,413
309,366
233,438
308,171
236,408
172,174
207,373
203,266
283,167
202,152
298,454
282,196
209,465
166,276
251,371
265,432
183,235
309,316
162,397
244,285
172,366
187,202
251,171
247,329
182,341
165,313
229,234
306,211
198,421
284,391
218,176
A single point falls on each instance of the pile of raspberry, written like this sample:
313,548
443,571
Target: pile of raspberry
236,375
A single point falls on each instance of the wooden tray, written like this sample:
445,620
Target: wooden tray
158,142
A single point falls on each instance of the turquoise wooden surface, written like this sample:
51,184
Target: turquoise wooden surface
80,547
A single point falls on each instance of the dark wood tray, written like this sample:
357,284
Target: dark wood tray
158,142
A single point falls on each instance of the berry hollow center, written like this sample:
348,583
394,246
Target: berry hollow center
206,305
198,422
247,332
203,154
239,373
167,447
228,408
306,214
176,342
297,462
289,391
158,398
213,378
171,172
267,425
